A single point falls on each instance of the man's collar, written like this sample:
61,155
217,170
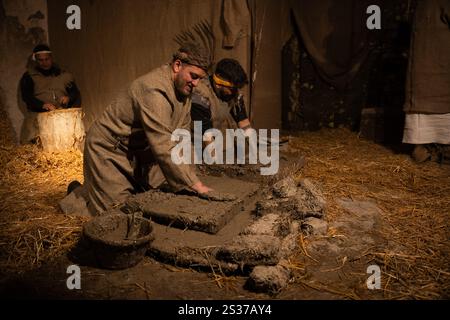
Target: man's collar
54,70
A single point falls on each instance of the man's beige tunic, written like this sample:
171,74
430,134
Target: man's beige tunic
135,129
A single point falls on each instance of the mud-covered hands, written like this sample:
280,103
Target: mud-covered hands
217,196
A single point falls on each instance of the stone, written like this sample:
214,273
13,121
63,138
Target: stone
269,279
271,224
309,201
313,189
285,188
314,226
290,243
265,206
251,250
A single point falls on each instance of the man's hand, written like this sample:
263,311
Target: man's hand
237,110
201,188
217,196
64,100
244,124
48,107
207,193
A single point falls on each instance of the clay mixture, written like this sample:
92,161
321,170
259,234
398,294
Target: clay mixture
249,228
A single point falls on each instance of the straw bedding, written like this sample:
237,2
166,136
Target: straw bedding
415,200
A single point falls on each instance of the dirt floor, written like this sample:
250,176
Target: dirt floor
383,209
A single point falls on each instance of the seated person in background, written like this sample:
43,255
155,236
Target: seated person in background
45,86
216,101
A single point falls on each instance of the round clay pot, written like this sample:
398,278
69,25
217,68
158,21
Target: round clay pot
107,235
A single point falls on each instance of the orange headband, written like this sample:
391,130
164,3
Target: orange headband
222,82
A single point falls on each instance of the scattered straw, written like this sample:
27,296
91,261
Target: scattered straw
325,288
32,229
414,198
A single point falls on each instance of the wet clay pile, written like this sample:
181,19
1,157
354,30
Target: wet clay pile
252,233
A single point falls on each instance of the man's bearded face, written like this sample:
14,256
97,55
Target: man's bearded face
44,60
187,78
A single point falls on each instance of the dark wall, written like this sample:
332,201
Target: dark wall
378,84
23,24
120,40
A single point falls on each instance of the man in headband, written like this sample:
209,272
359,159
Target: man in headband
128,148
216,102
45,86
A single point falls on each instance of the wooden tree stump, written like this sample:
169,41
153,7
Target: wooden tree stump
61,130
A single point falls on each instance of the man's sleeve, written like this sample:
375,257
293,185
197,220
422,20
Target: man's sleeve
74,95
201,111
155,112
27,91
